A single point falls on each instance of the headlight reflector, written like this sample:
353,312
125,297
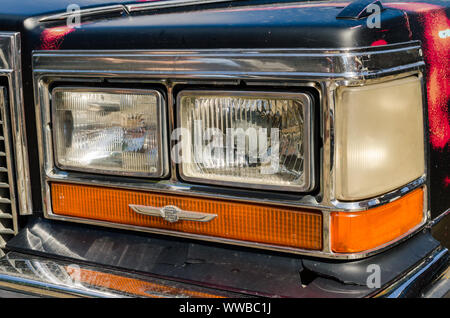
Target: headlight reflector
109,131
379,138
247,139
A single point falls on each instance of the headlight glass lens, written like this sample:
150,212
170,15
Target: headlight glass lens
249,139
109,131
379,138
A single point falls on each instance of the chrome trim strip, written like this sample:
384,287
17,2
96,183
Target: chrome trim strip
353,65
321,69
397,289
10,65
48,289
380,200
172,213
6,130
439,287
169,4
439,218
86,13
125,9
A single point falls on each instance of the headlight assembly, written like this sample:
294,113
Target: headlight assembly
109,131
315,152
247,139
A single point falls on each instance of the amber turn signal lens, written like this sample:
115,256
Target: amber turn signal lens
272,225
353,232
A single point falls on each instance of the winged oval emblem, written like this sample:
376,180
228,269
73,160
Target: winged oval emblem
172,213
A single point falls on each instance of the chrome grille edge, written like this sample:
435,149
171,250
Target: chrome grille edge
8,212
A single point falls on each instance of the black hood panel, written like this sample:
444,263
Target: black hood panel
312,25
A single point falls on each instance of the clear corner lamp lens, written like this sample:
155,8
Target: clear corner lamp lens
246,139
111,131
379,138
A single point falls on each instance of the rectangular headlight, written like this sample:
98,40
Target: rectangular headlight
246,139
111,131
379,138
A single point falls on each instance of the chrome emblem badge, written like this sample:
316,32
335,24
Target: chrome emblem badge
172,214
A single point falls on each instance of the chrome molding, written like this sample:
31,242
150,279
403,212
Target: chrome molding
439,287
121,9
383,199
400,288
84,13
353,66
10,67
321,69
8,216
439,218
169,4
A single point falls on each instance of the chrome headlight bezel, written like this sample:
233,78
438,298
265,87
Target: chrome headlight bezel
163,162
308,141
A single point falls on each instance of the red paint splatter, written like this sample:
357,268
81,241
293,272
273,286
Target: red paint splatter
379,42
447,181
437,56
408,25
52,38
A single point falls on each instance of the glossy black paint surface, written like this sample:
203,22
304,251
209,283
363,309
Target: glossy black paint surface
293,26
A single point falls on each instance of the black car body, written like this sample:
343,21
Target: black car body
228,46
